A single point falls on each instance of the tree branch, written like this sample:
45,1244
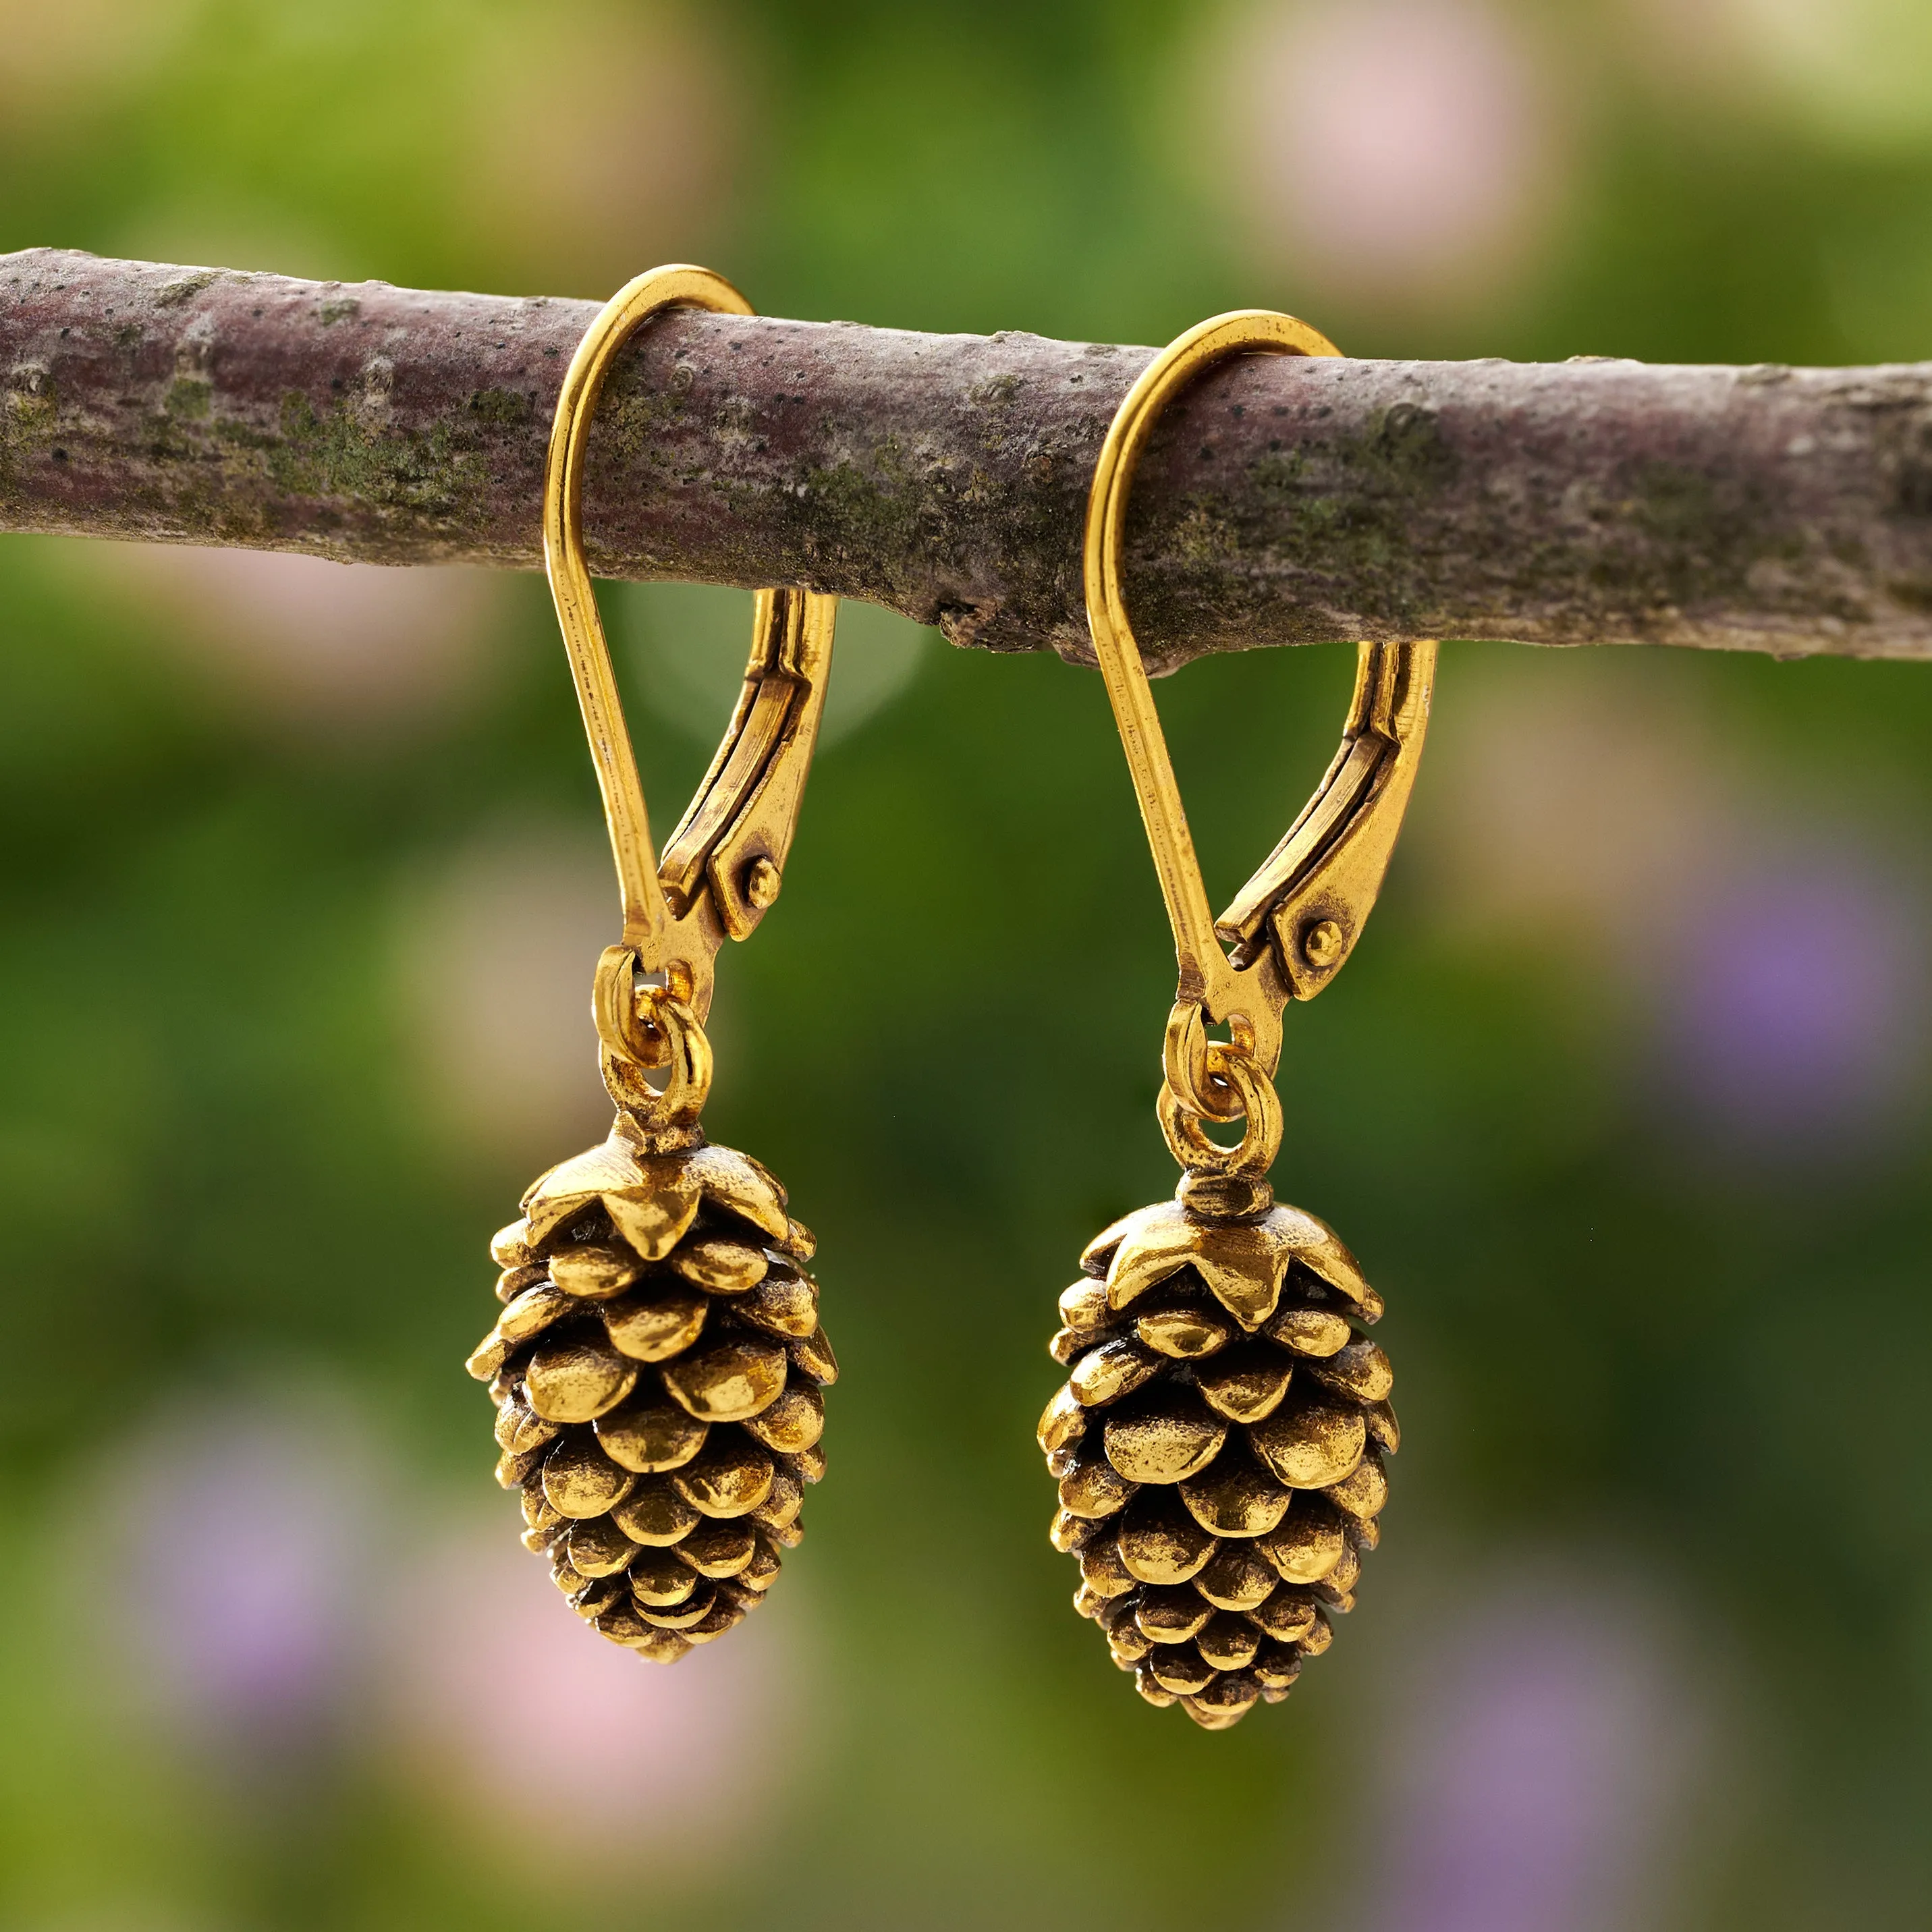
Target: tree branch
1280,501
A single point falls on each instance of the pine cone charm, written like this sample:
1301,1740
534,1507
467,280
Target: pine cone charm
656,1370
1220,1442
657,1366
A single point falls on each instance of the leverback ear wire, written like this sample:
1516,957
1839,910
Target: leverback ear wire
725,862
645,915
1297,919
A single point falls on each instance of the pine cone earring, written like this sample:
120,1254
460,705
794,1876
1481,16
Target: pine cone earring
658,1363
1219,1443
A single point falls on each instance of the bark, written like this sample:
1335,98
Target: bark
1281,501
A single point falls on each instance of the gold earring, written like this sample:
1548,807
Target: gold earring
657,1366
1219,1443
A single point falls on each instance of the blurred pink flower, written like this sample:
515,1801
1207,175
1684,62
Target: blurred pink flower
57,62
496,955
498,1688
1571,795
326,647
598,136
289,1601
1401,148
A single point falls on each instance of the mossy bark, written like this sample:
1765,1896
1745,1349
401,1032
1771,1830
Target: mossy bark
1280,501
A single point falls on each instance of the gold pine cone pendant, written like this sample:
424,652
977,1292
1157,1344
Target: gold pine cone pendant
656,1370
1219,1443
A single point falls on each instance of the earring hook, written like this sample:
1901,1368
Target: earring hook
725,862
1298,918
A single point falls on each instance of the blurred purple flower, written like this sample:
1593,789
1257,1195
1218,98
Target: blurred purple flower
1534,1770
1792,1020
1777,979
245,1563
268,1622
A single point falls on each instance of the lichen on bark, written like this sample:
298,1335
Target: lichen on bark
1280,501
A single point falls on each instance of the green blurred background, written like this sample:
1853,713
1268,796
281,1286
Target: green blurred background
1623,1104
